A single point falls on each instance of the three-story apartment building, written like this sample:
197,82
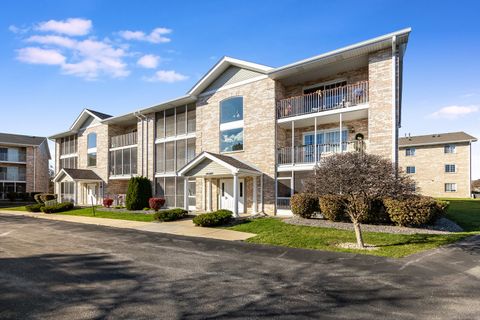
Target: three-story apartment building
440,164
246,136
23,164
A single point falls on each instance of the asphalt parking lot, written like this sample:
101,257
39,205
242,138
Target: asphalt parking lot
61,270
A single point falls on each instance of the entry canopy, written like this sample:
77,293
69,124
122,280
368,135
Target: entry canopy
208,164
76,175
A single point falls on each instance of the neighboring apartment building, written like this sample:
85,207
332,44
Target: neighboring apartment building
23,164
440,164
246,136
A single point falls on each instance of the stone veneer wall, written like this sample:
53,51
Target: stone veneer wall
259,129
430,176
147,162
380,117
39,155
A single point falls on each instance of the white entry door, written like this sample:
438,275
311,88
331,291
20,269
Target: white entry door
91,194
226,194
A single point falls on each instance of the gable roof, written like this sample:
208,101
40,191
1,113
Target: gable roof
222,65
80,120
100,115
78,174
18,139
436,138
231,163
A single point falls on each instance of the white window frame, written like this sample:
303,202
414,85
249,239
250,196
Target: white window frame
454,185
324,83
410,155
454,168
447,146
414,170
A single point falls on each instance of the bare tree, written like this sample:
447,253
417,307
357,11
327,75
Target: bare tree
359,178
476,185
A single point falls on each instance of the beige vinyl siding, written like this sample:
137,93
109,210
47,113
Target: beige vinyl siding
207,166
230,76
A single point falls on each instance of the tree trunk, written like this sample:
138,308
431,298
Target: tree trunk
358,234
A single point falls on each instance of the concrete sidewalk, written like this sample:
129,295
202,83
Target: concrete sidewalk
182,227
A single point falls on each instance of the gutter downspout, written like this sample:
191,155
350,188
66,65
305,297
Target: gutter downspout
34,170
144,119
394,102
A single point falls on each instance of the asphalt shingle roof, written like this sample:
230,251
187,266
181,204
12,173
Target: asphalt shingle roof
101,115
9,138
437,138
82,174
232,161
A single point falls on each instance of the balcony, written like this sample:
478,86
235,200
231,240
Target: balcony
305,154
123,140
13,157
324,100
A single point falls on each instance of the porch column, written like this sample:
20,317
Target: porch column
254,198
261,194
209,194
185,193
235,195
315,142
293,142
341,140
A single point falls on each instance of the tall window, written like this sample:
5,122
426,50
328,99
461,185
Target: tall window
231,124
409,152
92,149
327,140
449,148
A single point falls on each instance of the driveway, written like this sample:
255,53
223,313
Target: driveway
63,270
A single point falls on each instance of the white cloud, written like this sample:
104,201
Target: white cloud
156,36
17,30
169,76
35,55
53,40
454,112
149,61
88,58
71,26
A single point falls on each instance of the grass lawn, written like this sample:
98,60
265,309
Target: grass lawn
87,212
465,212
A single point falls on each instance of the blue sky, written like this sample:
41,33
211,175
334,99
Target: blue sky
58,57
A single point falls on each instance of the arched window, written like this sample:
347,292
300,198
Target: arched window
231,124
92,149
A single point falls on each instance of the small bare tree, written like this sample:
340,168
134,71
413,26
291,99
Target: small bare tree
359,178
476,185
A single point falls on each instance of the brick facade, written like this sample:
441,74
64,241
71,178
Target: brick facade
430,176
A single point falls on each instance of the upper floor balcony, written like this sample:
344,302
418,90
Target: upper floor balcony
323,100
124,140
312,154
13,155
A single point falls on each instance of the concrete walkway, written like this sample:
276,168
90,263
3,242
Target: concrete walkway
182,227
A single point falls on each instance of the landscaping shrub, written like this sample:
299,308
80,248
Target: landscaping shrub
42,197
37,207
37,199
138,193
170,214
59,207
12,196
215,218
377,214
107,202
415,211
304,205
332,207
156,203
